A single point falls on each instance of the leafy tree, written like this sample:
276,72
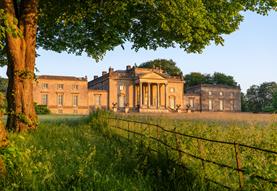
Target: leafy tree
196,78
253,100
274,101
244,106
94,27
220,78
266,91
262,98
169,66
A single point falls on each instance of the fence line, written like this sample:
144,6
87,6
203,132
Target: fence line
202,158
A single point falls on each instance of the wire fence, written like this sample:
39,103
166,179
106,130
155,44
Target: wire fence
157,134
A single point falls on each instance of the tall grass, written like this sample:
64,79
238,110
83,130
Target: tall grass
262,134
77,154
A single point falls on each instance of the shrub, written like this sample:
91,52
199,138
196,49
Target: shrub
42,109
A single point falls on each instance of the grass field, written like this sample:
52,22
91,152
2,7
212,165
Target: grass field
81,153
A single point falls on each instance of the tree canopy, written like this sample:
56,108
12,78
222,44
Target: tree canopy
261,98
168,66
95,27
196,78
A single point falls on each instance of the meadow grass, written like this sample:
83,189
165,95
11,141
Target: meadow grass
85,153
261,132
73,154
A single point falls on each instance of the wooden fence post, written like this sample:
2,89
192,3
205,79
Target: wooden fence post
128,131
239,165
178,146
202,153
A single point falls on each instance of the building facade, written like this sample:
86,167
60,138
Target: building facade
137,89
62,94
208,97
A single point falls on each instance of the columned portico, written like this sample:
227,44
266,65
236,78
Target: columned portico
150,96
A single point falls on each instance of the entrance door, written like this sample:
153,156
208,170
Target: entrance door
172,102
121,101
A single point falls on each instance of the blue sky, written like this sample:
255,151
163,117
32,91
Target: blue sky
249,54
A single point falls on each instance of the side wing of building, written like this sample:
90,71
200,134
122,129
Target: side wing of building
62,94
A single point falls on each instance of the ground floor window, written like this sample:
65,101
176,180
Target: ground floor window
60,99
97,99
75,100
221,105
210,104
44,99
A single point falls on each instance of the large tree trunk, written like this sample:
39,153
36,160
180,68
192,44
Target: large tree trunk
21,61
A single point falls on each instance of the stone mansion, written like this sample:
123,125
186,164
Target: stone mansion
134,89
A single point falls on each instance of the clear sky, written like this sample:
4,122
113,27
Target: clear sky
249,54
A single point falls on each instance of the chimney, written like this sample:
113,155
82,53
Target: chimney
110,70
128,67
103,73
95,77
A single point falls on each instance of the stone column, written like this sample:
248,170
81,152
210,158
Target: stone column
165,92
158,95
148,95
140,94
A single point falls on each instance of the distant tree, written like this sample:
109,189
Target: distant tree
253,100
266,91
262,98
196,78
168,66
220,78
3,85
274,101
244,106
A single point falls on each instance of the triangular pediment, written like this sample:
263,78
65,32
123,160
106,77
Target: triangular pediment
152,75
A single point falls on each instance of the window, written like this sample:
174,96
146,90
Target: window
210,104
232,94
44,99
172,90
210,93
221,105
191,102
97,100
232,105
75,87
221,93
75,100
60,100
60,86
44,86
121,87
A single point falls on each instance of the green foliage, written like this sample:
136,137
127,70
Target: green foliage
274,101
42,109
3,84
196,78
95,27
168,66
261,98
